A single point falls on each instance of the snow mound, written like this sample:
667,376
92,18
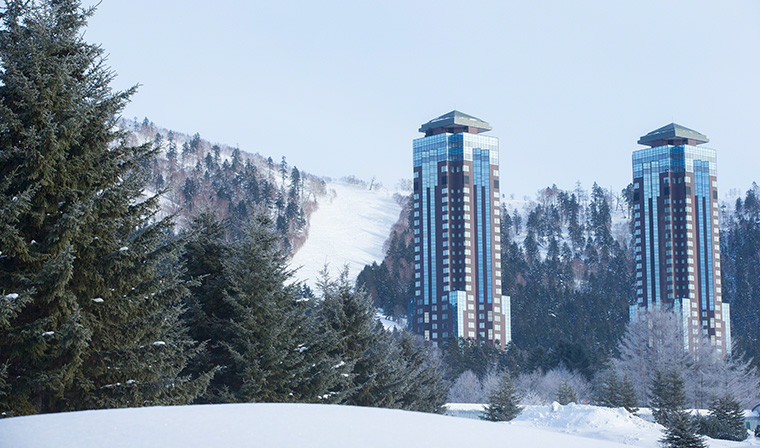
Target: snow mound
271,425
313,425
611,424
348,229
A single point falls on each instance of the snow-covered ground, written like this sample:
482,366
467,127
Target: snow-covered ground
311,425
348,229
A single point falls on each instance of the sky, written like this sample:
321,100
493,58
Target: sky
341,87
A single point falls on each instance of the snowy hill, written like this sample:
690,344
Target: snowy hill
348,228
312,425
275,425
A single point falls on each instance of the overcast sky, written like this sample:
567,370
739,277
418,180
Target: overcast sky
341,87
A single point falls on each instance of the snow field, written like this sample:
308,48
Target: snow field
271,425
313,425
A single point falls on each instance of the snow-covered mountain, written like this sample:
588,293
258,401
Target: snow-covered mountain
341,224
313,425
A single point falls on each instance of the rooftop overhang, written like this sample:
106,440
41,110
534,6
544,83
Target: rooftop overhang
673,134
455,122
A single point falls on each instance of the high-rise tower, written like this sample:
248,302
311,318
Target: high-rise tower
677,244
457,285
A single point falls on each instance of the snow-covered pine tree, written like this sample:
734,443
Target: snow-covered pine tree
503,403
94,283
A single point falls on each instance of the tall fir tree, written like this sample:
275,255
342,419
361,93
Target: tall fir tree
358,342
93,295
255,325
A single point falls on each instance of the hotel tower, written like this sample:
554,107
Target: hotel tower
456,222
676,234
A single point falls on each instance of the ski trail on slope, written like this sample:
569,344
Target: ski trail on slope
348,229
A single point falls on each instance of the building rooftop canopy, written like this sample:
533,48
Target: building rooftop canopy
673,134
455,122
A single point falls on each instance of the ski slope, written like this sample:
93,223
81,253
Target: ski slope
347,230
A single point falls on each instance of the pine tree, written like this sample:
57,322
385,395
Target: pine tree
566,394
369,364
680,432
628,395
668,397
94,315
503,403
256,327
423,376
729,419
615,393
208,313
608,390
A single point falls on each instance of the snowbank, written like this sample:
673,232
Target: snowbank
271,425
611,424
313,425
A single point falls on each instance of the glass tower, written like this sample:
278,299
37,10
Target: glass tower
676,233
457,245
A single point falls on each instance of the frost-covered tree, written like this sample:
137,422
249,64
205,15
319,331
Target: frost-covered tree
541,388
651,343
654,342
466,389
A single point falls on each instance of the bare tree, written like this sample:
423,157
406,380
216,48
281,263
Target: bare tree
654,342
